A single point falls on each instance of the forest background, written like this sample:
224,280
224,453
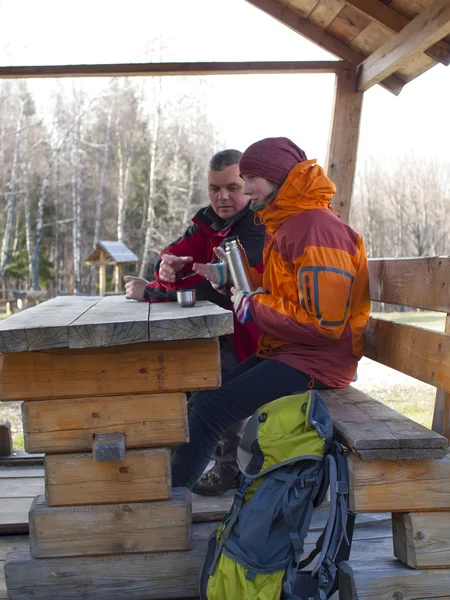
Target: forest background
83,160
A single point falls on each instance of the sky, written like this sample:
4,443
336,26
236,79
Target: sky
244,108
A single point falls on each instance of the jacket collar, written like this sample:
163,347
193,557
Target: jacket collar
306,187
208,218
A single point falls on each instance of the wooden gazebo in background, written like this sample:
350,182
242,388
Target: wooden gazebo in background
110,253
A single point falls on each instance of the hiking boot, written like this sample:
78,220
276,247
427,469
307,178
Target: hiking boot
211,484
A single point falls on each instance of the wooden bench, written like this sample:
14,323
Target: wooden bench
395,464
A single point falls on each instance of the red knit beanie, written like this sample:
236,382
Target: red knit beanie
271,158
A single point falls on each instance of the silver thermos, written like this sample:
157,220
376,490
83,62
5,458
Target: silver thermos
237,262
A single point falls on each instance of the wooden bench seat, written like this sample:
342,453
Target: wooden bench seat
373,431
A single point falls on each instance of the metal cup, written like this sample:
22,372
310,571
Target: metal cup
186,298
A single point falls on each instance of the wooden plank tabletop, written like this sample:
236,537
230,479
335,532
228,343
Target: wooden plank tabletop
43,326
92,321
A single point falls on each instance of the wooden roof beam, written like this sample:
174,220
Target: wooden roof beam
391,19
179,69
294,21
430,26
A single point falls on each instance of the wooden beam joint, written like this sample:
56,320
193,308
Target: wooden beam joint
429,27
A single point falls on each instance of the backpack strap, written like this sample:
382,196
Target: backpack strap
297,537
333,545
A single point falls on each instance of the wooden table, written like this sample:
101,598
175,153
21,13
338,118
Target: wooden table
103,382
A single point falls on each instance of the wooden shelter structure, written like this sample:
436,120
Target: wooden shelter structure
107,253
389,42
396,465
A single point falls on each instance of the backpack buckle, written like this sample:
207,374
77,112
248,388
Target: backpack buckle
341,487
304,482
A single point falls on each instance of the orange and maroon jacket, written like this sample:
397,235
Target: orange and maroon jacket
315,272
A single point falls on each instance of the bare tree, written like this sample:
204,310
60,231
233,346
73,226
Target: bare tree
151,180
401,207
12,188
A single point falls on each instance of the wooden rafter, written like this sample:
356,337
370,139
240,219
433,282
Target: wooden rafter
161,69
430,26
391,19
294,21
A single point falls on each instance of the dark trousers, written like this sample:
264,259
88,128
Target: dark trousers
225,465
253,383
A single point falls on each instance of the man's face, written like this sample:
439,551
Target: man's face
226,192
260,191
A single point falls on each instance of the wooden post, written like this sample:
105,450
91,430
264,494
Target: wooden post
101,280
5,438
117,277
441,417
344,136
102,274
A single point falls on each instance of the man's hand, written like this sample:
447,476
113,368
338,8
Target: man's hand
134,288
170,265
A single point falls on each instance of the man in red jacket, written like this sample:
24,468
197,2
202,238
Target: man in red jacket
227,215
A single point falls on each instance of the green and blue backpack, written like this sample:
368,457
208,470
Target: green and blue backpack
288,459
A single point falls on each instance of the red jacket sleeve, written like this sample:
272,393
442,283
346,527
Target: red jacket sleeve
192,243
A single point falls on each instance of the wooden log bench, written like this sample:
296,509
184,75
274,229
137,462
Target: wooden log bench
395,464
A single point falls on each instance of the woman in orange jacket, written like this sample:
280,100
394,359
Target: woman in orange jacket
312,305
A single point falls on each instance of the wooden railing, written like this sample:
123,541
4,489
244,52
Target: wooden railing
418,283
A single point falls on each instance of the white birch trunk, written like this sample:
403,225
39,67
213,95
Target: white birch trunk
15,243
122,194
99,208
28,234
151,184
99,211
38,231
190,198
12,194
76,216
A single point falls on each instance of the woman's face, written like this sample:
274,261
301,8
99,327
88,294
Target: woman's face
260,191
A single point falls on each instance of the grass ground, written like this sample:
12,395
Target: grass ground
406,395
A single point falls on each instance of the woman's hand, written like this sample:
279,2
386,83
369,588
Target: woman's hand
241,303
217,272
